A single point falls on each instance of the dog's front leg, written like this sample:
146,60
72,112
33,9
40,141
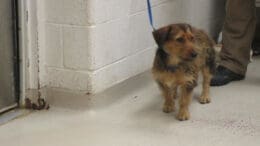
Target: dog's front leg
186,93
204,98
169,105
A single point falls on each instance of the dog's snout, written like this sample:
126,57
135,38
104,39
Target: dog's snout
194,54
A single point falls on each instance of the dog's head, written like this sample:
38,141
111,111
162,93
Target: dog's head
177,40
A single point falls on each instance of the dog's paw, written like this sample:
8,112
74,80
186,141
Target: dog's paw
168,108
204,100
183,115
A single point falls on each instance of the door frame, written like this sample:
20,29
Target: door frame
28,49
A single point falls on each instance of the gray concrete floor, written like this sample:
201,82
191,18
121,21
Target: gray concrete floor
130,115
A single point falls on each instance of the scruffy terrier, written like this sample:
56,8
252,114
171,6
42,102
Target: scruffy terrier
183,52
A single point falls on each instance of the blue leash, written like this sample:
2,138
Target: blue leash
150,13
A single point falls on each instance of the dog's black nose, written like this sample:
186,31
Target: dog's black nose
194,54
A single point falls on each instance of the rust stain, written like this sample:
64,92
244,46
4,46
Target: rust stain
40,105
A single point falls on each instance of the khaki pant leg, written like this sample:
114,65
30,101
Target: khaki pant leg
238,32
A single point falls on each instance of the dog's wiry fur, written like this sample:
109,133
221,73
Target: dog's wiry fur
183,52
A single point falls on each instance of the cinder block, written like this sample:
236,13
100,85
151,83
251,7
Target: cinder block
107,10
74,12
205,14
206,9
53,45
68,79
76,42
111,43
122,70
141,5
168,13
140,34
202,10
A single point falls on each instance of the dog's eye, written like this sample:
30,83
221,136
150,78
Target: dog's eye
180,40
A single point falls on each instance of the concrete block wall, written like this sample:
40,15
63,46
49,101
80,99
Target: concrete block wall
205,14
90,45
64,44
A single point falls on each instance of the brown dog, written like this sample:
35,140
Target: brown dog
183,52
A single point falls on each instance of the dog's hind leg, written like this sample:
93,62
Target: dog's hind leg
204,98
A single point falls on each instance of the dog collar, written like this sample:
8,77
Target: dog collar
164,55
171,68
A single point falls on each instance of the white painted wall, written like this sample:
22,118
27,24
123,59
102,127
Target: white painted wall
90,45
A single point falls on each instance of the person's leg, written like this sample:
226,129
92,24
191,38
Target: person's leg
238,32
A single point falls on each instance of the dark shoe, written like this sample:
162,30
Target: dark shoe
223,76
256,48
256,52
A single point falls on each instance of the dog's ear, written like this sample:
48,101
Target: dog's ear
161,35
189,27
